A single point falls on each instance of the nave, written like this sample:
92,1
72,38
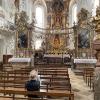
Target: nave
59,39
13,81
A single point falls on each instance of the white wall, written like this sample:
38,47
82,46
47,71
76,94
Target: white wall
26,5
7,44
9,9
29,9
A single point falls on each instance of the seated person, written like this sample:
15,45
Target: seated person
33,84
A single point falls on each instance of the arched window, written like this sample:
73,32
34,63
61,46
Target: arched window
96,4
74,14
39,17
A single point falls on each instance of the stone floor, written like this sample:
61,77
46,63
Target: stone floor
81,90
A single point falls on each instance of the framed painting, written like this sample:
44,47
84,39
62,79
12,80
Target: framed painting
83,38
22,41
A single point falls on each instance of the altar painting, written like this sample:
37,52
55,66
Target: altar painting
84,38
22,40
56,43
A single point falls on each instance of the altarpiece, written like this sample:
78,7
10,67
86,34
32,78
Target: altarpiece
56,38
83,35
23,36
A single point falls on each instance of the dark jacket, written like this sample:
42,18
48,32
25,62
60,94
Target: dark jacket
32,85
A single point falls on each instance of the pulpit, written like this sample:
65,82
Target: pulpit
5,58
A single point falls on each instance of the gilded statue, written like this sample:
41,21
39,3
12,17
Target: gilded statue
96,21
82,16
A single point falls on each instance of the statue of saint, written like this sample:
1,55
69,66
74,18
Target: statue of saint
56,41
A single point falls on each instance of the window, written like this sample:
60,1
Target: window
96,4
39,17
38,44
74,14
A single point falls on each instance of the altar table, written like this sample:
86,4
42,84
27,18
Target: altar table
84,63
18,63
19,60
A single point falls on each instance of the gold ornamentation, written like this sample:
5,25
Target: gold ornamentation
21,21
96,21
82,16
57,42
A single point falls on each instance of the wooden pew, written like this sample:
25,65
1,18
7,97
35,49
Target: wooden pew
88,76
41,73
17,75
42,95
51,66
46,83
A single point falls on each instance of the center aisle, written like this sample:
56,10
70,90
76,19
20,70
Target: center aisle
81,90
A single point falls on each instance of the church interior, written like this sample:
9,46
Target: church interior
60,39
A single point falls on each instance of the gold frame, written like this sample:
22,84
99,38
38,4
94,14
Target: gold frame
80,51
17,35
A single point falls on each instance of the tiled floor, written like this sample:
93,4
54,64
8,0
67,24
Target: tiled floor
81,90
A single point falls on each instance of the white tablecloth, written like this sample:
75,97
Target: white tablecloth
87,61
12,60
55,55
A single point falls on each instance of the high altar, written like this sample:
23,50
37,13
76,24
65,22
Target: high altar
56,38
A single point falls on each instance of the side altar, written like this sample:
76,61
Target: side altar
23,36
83,36
23,47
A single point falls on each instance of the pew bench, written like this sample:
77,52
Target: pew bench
42,95
88,76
